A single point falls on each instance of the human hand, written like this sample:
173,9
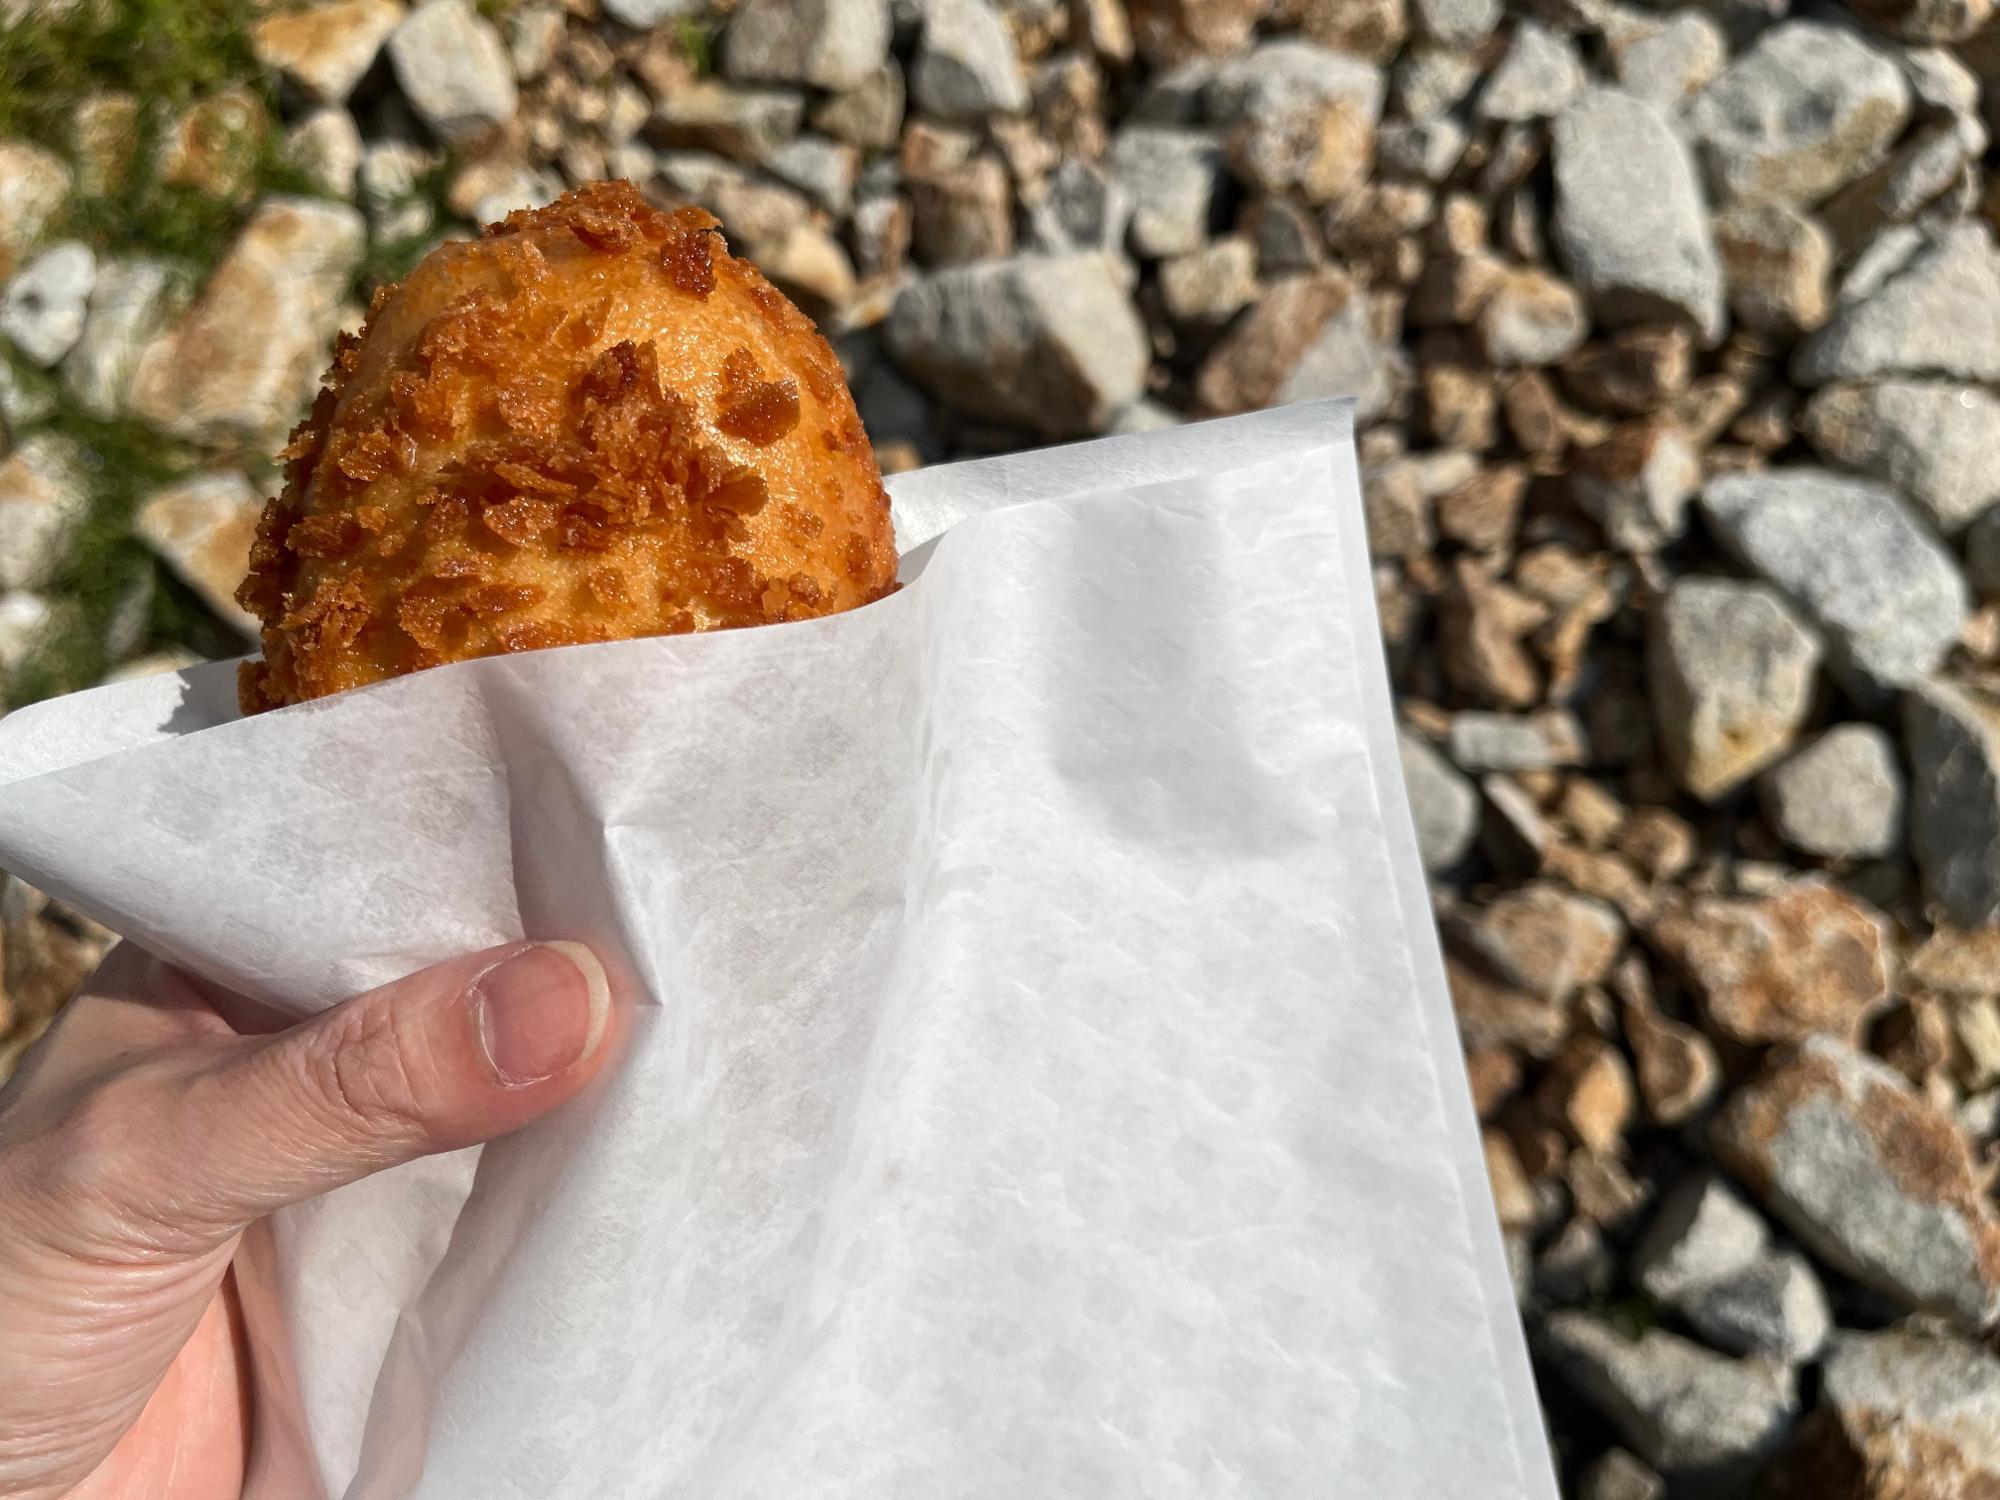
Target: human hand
144,1134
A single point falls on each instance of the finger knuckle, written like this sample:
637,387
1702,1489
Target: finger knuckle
369,1078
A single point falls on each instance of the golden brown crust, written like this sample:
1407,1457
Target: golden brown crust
592,423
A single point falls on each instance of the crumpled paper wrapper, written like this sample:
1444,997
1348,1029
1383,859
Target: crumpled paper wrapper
1045,1085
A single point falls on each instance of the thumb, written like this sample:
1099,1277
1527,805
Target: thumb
443,1058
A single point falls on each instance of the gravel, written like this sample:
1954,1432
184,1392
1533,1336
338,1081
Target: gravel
1701,1418
1444,804
966,67
1173,177
1953,734
1581,261
1732,670
1806,109
1870,1177
1856,562
453,69
1931,440
42,311
828,44
1049,343
1936,315
1629,220
1839,797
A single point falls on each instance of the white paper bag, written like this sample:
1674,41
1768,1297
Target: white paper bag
1047,1085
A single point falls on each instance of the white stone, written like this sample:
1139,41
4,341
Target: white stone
23,617
1851,555
202,527
45,303
1731,669
248,355
1538,77
453,69
1841,797
644,15
1935,313
34,184
1047,342
1630,222
966,65
128,306
42,502
533,34
1807,108
326,146
827,44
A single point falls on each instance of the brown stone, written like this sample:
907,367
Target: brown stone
1399,496
1676,1067
1873,1179
1915,1037
1069,106
1808,958
1492,1014
1493,1073
1460,406
1976,1027
1543,939
1766,423
1172,31
1531,317
1540,1147
1603,1191
1483,624
213,147
245,360
1593,814
1513,1199
1776,263
1901,1416
1105,26
961,213
203,527
324,49
1634,372
1957,962
1372,29
1250,364
1604,876
1534,413
1588,1092
810,266
1454,288
1484,513
1706,408
1659,841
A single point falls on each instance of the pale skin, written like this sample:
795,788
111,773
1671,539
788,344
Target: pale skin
144,1135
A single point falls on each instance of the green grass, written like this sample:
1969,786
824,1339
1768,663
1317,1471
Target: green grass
168,54
695,37
121,463
171,52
